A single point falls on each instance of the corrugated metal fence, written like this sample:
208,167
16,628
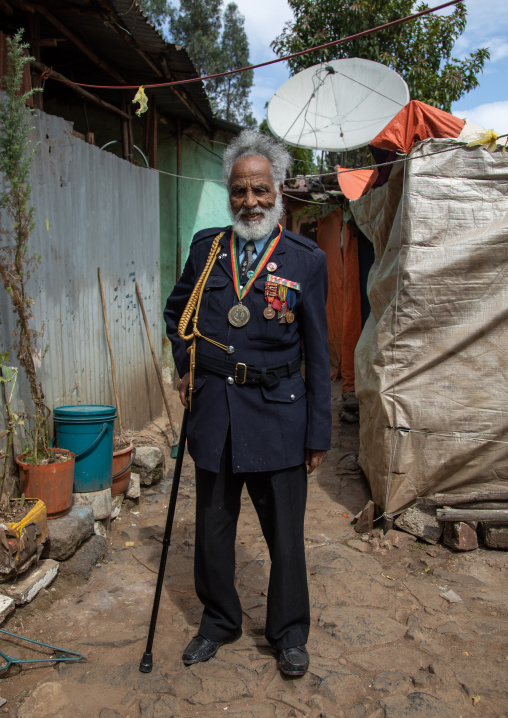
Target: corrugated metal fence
92,210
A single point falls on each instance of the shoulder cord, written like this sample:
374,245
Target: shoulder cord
192,308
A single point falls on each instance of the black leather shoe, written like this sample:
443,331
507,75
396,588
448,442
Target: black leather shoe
294,661
202,649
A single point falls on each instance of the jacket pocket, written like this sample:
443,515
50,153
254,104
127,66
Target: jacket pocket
213,283
288,391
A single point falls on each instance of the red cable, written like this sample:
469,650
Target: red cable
271,62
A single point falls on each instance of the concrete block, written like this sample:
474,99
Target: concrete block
7,606
26,588
134,489
422,523
495,535
460,536
99,501
68,532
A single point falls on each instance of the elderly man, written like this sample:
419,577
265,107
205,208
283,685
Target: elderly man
253,419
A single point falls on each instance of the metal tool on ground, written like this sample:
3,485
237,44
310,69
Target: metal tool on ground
64,655
145,665
174,447
110,352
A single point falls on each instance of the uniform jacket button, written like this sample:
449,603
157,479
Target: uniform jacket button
230,350
292,397
230,380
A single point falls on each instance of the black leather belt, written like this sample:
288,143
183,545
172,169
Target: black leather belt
246,373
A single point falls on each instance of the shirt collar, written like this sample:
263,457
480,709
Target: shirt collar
258,243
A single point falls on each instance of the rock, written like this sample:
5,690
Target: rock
46,701
421,522
149,461
102,527
356,627
100,502
358,711
7,606
390,681
460,536
134,489
359,545
158,706
417,705
116,505
451,597
68,532
365,519
81,564
495,535
460,578
399,539
26,588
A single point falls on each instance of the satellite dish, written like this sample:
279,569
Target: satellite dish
338,105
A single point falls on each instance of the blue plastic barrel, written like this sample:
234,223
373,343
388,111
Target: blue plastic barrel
87,431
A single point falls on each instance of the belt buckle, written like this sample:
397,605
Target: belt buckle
244,367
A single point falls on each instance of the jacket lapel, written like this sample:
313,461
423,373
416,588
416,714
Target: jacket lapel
225,262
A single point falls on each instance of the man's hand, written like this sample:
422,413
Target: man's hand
182,387
313,458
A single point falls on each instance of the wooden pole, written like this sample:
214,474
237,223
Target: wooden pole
494,516
156,363
455,499
110,352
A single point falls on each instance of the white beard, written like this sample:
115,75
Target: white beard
258,230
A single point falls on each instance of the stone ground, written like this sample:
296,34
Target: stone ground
383,642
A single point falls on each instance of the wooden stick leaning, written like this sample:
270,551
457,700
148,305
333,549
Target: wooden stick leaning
110,352
156,364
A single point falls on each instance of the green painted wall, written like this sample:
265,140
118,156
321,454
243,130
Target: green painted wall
201,204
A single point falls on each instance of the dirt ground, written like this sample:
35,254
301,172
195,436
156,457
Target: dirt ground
383,641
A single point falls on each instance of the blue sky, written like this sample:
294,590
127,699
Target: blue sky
487,27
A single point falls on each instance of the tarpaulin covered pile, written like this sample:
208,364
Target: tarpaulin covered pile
432,361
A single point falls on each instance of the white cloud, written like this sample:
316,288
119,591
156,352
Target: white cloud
492,116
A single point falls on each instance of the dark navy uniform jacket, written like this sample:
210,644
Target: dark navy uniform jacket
270,427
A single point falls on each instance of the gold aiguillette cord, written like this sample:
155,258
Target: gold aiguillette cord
192,308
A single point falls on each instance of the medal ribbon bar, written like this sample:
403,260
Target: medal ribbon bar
284,282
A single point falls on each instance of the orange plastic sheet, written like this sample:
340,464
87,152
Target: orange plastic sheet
354,184
344,303
414,123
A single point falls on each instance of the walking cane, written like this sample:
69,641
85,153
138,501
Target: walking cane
145,665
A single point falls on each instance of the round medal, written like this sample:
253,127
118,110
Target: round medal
238,315
271,266
269,312
290,317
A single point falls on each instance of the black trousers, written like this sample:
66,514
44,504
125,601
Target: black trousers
279,499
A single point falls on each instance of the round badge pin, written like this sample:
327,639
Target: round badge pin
271,266
250,274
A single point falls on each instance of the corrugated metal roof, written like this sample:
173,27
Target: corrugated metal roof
119,35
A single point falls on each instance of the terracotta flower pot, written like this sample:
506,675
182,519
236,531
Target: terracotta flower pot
122,462
51,483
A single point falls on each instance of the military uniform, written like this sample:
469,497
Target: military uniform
255,433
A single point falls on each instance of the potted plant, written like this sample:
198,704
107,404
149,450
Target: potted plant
17,265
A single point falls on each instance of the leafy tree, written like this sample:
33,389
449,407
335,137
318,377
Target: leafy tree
157,11
216,41
232,92
303,160
420,50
